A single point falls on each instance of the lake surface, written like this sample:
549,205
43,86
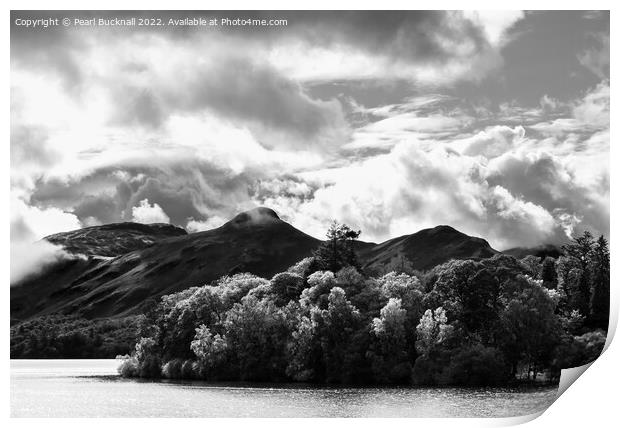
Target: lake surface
92,388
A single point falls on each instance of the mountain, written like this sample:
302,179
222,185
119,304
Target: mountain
114,239
428,248
256,241
546,250
123,266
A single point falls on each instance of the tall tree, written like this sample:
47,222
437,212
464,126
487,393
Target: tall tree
337,251
531,330
580,248
548,274
599,302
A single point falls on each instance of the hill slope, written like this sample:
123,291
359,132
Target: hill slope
111,240
429,248
256,241
153,260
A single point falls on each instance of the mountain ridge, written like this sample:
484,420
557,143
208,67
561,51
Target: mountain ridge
167,259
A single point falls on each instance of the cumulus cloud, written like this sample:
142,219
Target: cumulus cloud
28,259
29,255
147,213
30,223
410,189
513,185
389,121
493,141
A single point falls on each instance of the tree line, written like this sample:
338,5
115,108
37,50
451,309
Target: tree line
328,320
70,336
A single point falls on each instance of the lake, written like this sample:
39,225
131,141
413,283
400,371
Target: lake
92,388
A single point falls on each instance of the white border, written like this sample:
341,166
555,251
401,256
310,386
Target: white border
591,401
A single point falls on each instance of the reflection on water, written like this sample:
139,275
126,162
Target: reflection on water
91,388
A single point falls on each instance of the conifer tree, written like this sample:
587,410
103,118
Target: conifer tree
599,302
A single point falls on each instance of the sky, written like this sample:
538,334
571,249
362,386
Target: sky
496,123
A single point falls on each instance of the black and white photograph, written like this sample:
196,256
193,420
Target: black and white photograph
306,213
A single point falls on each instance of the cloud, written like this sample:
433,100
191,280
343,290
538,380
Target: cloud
200,226
594,108
391,121
404,191
495,22
30,223
513,185
242,89
431,47
596,59
425,46
30,255
493,141
146,213
183,186
588,114
28,259
551,182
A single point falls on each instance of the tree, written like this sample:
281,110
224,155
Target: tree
286,286
256,334
579,350
408,290
548,273
147,358
211,350
432,330
390,362
303,351
580,249
469,292
434,337
599,303
530,327
320,284
475,365
532,264
480,303
336,326
337,251
568,273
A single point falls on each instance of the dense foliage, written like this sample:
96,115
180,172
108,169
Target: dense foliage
465,322
58,336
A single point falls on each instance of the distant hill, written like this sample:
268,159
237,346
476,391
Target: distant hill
546,250
428,248
128,264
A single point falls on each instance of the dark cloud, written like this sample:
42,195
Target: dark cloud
158,90
136,106
544,181
418,35
542,57
237,88
242,89
53,49
102,207
183,189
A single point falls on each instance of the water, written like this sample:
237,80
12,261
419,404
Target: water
91,388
